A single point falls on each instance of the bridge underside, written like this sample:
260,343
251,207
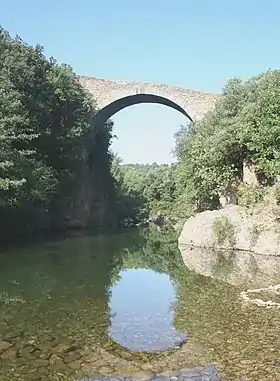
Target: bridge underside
108,111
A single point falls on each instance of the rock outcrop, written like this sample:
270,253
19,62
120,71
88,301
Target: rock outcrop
234,227
88,203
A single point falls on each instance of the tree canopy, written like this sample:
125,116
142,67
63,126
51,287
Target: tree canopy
244,125
47,136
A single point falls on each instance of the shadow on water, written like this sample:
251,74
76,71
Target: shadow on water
126,302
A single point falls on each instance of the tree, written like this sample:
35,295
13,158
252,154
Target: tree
47,137
244,125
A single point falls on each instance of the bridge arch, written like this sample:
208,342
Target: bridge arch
112,108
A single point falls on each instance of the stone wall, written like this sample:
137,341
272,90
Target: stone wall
105,91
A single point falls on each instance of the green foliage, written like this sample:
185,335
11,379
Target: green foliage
244,125
250,195
144,190
224,231
46,133
129,199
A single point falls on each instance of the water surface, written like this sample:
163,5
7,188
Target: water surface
141,310
126,302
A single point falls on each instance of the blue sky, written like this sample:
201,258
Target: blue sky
195,44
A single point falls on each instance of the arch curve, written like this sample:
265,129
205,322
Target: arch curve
112,108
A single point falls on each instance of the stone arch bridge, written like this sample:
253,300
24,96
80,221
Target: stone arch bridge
193,104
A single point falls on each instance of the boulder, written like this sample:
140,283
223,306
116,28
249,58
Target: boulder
234,227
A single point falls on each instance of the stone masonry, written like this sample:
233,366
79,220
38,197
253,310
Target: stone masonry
105,91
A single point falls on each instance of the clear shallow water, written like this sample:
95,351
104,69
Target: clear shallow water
68,310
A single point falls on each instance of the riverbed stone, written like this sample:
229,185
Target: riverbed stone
9,354
22,361
255,232
59,366
75,365
54,359
105,370
4,345
73,356
60,348
92,357
202,373
40,362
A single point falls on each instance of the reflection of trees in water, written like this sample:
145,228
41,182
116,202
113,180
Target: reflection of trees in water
156,251
66,284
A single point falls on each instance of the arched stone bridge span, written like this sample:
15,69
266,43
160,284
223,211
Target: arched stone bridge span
195,103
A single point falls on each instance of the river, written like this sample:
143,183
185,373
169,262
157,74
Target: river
124,303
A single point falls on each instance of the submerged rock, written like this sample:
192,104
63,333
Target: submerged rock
200,373
9,354
4,345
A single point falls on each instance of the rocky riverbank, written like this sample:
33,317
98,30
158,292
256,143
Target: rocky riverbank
234,227
248,223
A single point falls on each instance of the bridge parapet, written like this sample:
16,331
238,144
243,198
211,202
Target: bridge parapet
105,91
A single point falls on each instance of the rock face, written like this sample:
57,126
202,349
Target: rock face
234,227
88,204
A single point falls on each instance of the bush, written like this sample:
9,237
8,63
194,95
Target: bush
224,231
250,195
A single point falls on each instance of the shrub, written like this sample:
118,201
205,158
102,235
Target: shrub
224,231
250,195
